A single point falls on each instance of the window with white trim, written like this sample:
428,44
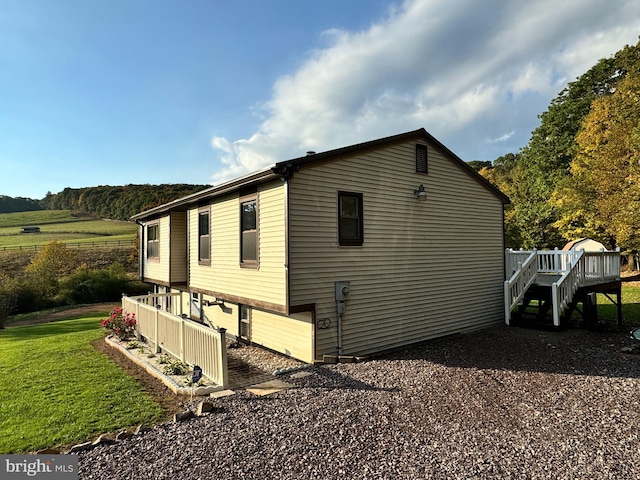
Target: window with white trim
153,241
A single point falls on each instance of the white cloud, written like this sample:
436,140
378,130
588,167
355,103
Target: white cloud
505,137
467,71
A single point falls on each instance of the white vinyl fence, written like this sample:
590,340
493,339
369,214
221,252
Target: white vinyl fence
184,339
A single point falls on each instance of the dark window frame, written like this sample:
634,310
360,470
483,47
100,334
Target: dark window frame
202,237
249,231
345,239
153,244
422,158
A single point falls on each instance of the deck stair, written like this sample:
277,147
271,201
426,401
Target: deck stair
545,287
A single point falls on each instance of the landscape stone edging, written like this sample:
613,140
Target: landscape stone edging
202,409
167,380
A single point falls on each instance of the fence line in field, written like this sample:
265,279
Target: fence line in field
94,244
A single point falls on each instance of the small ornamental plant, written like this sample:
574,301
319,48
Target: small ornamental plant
175,367
120,323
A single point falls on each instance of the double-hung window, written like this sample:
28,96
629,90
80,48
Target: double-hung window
204,237
153,241
350,221
249,231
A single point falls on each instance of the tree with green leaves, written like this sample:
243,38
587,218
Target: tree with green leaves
478,165
7,299
503,173
545,162
601,198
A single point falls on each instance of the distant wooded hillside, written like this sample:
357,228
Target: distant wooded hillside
116,203
18,204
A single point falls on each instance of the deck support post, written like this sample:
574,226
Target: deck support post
507,310
619,305
554,297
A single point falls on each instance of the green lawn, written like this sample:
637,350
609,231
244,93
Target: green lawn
56,389
630,306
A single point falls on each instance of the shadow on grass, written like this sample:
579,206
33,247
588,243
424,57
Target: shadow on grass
58,327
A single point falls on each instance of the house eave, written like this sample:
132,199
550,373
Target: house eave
287,168
184,203
293,165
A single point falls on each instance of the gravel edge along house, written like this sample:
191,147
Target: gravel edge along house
347,252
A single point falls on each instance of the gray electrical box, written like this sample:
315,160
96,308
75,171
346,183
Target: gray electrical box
343,289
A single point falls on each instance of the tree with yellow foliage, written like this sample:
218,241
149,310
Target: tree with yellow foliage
601,198
51,263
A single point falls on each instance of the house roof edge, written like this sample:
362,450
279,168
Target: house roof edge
226,187
279,169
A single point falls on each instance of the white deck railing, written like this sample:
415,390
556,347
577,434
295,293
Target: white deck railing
169,302
576,268
186,340
562,291
601,267
524,275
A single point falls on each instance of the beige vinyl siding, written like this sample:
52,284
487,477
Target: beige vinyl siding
292,336
178,247
267,283
220,317
425,269
158,270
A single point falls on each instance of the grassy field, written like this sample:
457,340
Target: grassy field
62,225
630,306
56,389
41,217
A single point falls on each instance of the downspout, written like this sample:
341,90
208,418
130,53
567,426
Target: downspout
342,289
287,253
340,310
141,251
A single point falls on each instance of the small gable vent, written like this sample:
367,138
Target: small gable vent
421,158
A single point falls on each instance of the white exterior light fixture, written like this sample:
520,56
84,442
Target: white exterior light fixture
420,193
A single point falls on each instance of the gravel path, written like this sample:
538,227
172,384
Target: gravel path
502,403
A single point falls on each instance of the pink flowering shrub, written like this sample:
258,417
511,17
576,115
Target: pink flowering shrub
122,324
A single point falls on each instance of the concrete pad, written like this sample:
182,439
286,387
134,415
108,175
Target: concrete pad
301,374
222,393
269,387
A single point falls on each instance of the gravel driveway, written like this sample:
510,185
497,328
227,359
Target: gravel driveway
501,403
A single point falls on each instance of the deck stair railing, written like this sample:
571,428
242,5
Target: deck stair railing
186,340
562,291
524,275
564,271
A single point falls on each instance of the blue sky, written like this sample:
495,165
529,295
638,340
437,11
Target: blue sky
115,92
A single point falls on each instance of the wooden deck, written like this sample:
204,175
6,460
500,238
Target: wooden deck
546,287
